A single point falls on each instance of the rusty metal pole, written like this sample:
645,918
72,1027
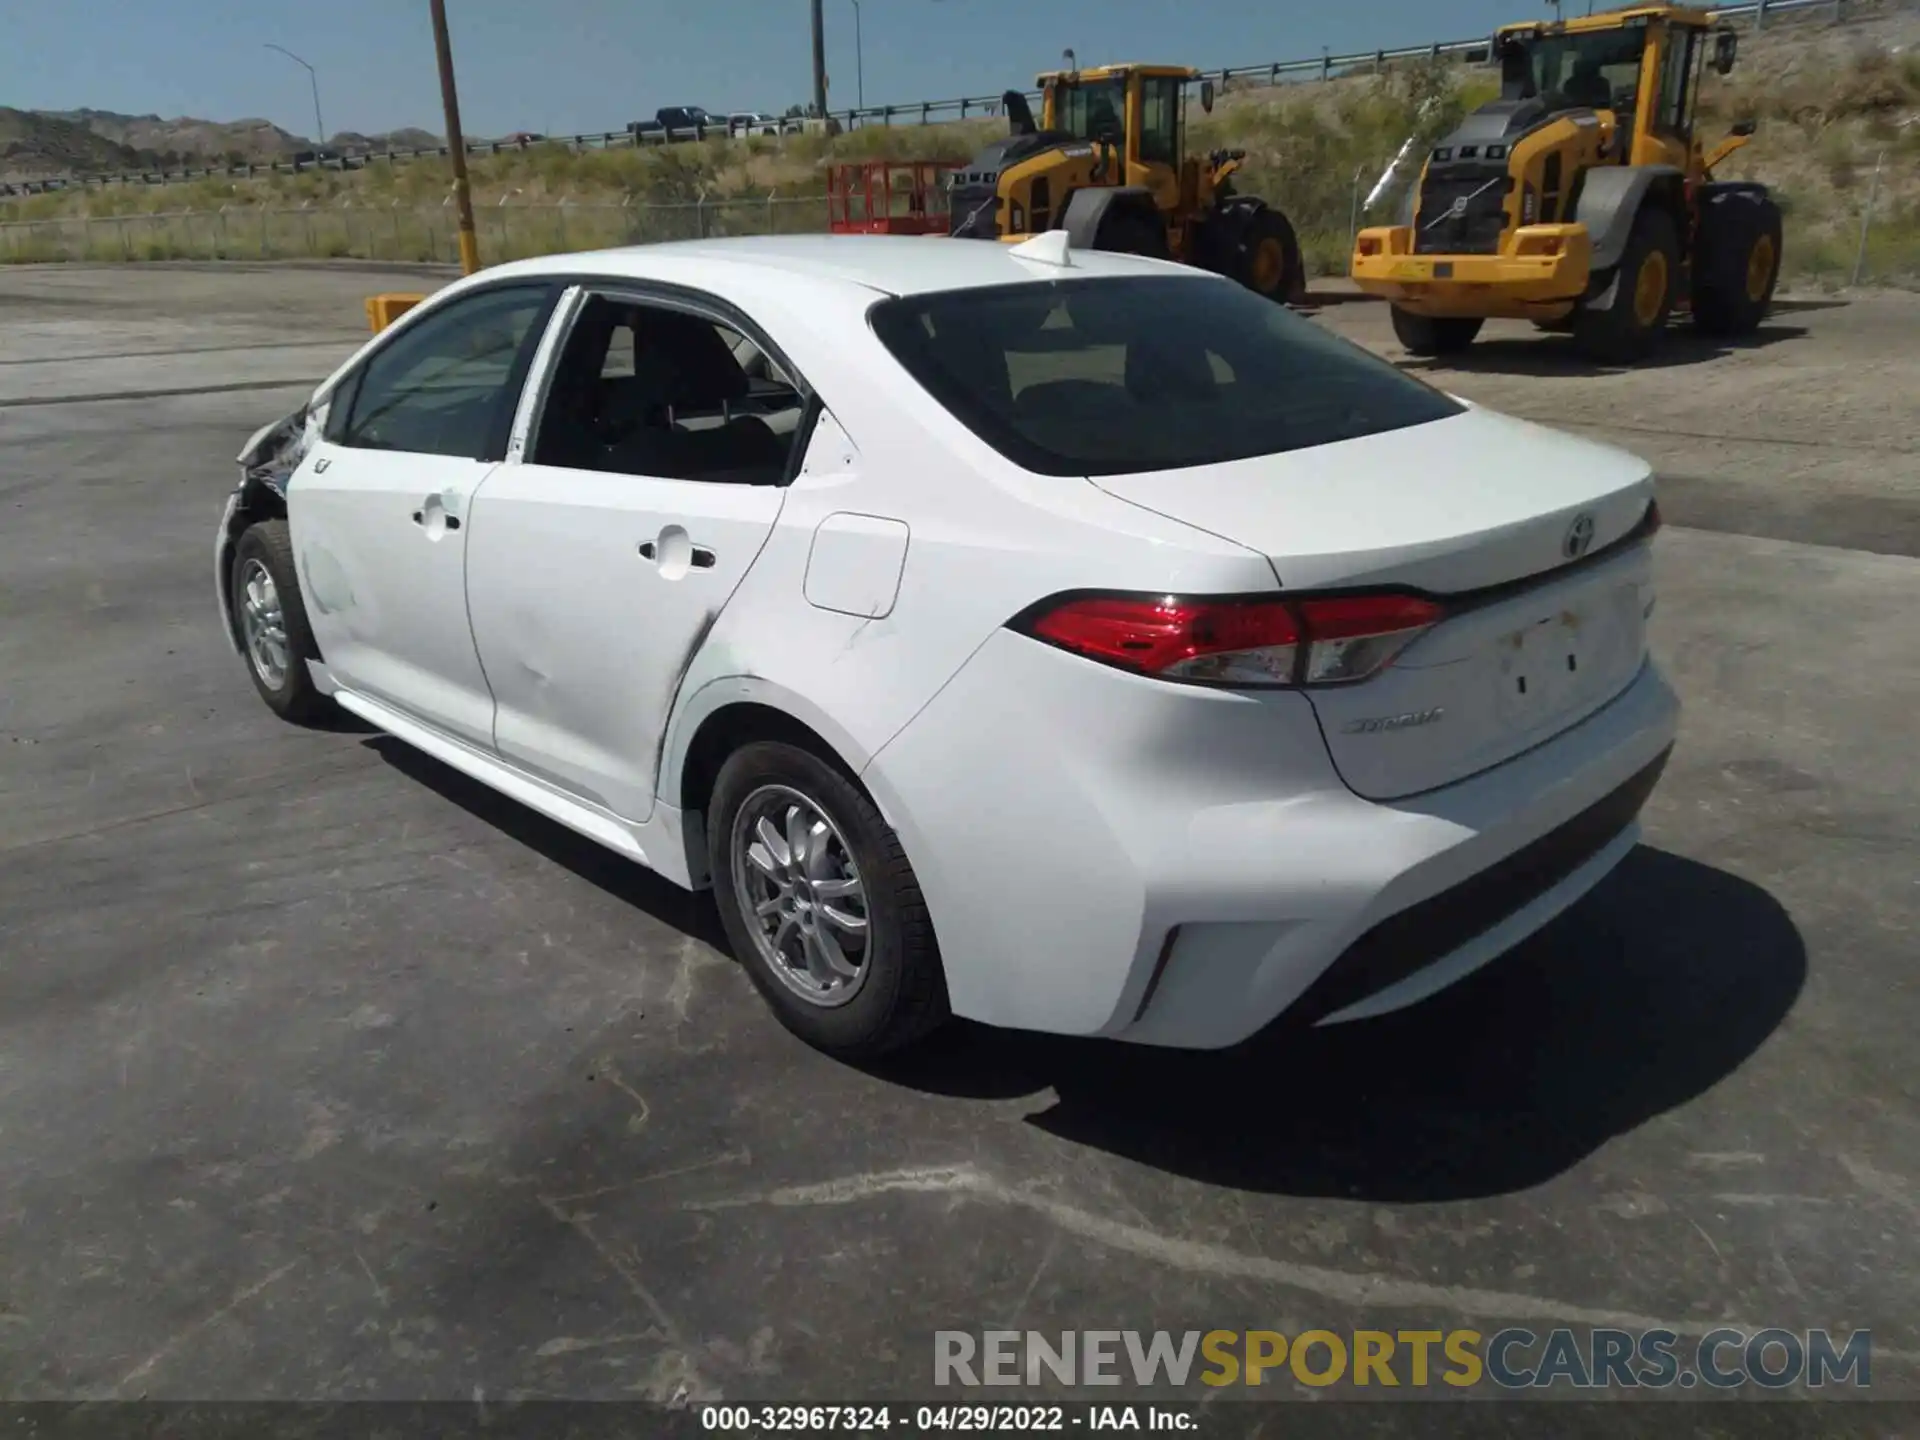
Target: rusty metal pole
456,142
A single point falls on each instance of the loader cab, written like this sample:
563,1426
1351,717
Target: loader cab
1139,110
1640,67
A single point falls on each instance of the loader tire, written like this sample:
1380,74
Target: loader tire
1269,258
1132,231
1736,263
1634,318
1432,334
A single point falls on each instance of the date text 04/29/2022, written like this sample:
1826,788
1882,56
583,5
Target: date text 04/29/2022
923,1419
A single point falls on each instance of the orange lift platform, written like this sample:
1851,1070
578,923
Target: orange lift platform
889,197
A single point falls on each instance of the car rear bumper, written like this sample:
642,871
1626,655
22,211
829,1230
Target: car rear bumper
1108,855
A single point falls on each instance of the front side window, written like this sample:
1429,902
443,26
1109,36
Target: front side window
1671,116
648,389
1121,376
441,386
1160,121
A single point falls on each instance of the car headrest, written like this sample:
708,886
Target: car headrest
684,361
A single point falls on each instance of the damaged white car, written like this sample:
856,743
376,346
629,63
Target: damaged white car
1073,642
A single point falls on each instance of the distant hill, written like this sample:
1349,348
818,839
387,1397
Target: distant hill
39,143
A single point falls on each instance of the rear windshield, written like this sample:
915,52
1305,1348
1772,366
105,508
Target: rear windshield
1121,375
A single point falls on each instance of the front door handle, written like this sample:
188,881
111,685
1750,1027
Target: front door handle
698,556
452,522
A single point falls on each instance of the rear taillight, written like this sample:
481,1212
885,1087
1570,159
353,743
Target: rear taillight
1330,641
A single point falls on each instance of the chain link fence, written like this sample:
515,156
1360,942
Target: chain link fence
398,233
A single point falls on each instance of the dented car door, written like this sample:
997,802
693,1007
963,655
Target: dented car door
604,549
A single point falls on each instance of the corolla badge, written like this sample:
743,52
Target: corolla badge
1377,724
1579,536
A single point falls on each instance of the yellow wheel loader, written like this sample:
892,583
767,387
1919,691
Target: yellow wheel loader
1582,199
1106,163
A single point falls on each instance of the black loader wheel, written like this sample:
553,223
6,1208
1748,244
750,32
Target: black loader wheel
1130,230
820,904
1268,262
1640,299
1737,262
270,617
1434,334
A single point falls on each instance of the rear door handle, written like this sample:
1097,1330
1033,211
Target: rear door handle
702,558
452,521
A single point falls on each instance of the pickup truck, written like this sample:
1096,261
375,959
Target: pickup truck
677,122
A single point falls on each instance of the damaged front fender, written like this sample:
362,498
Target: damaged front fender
267,462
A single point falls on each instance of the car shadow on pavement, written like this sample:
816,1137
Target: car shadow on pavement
1548,355
1645,995
630,883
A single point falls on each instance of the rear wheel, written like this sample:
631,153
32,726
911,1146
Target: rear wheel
1434,334
1640,299
1736,264
270,618
820,904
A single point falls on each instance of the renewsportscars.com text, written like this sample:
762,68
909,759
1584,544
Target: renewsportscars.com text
1512,1359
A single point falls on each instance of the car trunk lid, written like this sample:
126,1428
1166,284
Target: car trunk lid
1521,532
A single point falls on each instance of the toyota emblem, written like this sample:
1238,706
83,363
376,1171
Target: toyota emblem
1579,537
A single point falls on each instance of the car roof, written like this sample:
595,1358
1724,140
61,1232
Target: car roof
889,264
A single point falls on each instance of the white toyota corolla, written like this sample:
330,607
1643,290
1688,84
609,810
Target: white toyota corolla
1069,641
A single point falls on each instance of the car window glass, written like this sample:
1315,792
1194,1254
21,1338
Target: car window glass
1115,376
652,390
436,389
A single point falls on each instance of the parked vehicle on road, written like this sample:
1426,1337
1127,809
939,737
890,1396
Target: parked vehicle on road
1077,642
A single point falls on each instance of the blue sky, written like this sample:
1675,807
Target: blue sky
563,66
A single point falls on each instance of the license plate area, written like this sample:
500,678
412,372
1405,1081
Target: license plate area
1537,668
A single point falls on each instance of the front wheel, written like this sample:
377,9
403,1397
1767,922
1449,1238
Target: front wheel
1640,297
1434,334
270,617
820,903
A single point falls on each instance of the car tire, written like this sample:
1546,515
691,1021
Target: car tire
885,991
1634,319
1736,263
1434,334
270,618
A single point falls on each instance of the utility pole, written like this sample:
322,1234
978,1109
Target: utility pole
456,142
819,60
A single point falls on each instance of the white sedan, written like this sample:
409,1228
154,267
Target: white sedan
1074,642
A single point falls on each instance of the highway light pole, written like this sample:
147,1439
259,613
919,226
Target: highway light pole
859,60
313,79
456,142
819,62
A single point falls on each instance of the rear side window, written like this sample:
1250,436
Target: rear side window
1118,376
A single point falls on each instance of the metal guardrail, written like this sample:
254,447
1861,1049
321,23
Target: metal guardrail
924,112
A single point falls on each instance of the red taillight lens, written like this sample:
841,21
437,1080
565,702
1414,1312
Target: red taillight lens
1329,641
1222,640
